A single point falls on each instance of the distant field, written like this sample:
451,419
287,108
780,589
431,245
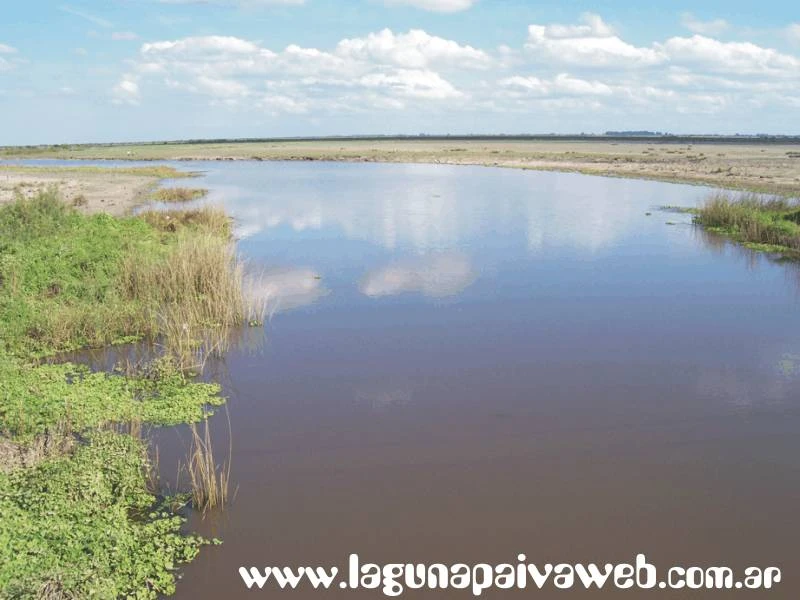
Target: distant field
770,165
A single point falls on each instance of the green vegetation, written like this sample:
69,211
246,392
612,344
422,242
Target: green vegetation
37,400
770,224
69,280
86,526
178,194
80,516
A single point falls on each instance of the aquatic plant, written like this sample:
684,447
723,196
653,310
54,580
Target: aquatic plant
209,480
86,526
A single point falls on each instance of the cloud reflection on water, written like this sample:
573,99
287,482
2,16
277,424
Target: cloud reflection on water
435,276
284,289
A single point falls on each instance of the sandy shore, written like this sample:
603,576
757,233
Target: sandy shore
760,167
91,189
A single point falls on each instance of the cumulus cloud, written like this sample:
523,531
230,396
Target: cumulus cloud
442,6
382,68
6,49
562,68
729,57
563,84
592,42
712,27
415,50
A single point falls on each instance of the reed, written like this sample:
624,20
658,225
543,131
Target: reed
209,480
196,296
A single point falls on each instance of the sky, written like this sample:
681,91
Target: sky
138,70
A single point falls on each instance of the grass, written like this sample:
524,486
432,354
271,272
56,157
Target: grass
178,194
769,224
69,280
213,220
79,514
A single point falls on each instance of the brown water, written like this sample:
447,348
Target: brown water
497,362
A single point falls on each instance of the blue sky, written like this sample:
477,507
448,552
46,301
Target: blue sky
125,70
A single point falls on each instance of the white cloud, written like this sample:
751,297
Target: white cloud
562,85
126,91
592,43
712,27
414,50
730,57
443,6
124,36
5,49
382,69
563,69
591,26
411,83
202,45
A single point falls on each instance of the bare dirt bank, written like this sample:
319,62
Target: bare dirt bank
90,189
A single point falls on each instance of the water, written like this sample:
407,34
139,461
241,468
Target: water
464,364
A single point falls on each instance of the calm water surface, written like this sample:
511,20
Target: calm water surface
464,364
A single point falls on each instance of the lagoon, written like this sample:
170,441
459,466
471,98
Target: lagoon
463,364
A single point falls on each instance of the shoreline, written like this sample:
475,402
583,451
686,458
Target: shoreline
112,190
769,167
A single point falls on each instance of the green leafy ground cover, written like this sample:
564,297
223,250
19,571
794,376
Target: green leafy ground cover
84,521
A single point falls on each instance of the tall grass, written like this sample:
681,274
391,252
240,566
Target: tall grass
210,482
754,219
208,218
69,280
196,296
